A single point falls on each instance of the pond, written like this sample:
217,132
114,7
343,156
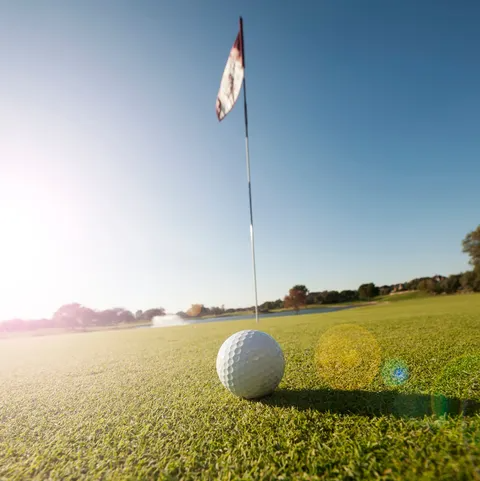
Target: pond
174,320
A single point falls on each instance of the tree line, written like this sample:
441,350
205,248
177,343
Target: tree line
299,296
465,282
76,316
468,281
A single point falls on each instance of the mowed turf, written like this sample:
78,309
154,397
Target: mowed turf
147,403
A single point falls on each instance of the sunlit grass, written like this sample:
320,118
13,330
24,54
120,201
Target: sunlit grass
348,356
147,403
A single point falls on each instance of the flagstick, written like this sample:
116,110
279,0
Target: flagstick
252,241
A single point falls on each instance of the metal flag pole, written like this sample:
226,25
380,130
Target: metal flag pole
252,238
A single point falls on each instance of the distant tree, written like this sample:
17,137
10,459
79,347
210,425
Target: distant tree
368,291
278,304
196,310
296,298
324,297
450,284
86,317
331,297
426,285
402,287
35,324
14,325
30,325
415,284
438,287
217,310
46,323
66,316
138,315
107,317
301,288
149,314
124,316
312,298
411,285
319,297
471,246
74,316
348,296
470,281
266,306
385,290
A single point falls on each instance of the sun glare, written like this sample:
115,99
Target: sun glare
28,251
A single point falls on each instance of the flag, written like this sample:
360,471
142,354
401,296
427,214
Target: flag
232,79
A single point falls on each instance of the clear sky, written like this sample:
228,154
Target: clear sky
119,187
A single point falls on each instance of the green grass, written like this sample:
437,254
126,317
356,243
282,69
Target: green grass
404,296
147,404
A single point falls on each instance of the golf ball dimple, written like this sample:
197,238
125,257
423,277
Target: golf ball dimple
250,364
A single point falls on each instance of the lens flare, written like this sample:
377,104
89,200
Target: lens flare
395,372
348,357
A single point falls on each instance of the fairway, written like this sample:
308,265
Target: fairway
147,403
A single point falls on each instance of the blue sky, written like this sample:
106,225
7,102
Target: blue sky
118,186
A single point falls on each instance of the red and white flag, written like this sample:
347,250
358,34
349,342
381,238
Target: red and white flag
232,79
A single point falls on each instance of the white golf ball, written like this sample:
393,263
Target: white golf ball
250,364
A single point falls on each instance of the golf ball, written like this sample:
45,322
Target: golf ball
250,364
